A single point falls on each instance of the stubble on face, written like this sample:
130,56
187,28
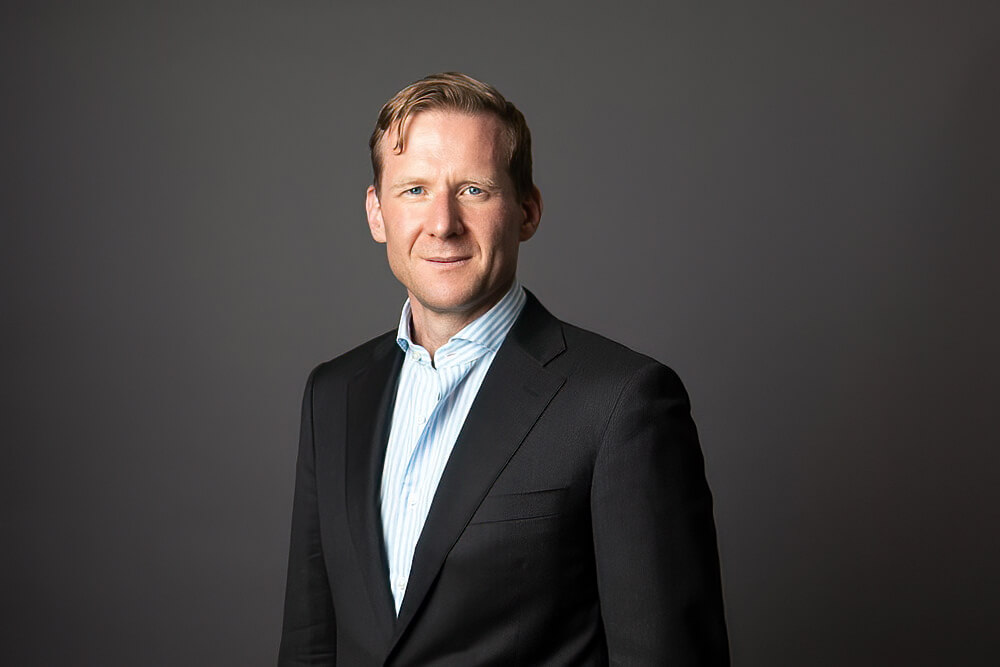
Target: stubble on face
449,216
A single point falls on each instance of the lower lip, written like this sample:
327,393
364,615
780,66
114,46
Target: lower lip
452,262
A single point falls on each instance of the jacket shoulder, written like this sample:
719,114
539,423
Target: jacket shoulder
573,348
348,364
598,361
603,351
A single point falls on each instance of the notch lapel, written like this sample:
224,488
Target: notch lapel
370,397
516,390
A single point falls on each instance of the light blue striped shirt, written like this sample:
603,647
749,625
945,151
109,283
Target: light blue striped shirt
432,401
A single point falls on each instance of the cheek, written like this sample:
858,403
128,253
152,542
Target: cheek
498,226
398,254
504,236
398,236
396,251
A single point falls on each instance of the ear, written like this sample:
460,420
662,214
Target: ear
531,206
374,210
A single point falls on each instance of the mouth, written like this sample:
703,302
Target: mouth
446,261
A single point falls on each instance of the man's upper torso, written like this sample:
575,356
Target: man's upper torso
574,498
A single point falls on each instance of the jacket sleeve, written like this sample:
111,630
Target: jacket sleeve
654,535
309,631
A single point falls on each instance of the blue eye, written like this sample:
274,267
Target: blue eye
416,190
473,190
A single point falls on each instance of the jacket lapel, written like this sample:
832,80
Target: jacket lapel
370,397
514,393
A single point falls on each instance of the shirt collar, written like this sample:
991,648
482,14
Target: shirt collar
488,330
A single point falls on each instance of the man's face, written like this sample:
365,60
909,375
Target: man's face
448,213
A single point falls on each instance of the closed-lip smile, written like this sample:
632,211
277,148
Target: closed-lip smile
446,260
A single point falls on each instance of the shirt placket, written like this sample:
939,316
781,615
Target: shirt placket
441,381
415,472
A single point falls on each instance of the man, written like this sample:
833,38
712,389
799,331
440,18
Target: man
487,485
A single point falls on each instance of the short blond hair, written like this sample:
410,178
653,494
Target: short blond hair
454,91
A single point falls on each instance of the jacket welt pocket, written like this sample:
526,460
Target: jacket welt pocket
519,506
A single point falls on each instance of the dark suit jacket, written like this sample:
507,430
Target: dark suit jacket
572,524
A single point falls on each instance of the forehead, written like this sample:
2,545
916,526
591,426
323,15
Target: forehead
448,137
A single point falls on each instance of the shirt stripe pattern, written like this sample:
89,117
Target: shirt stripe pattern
432,402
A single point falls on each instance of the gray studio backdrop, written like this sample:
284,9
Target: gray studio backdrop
794,204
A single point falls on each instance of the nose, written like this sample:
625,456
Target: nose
445,218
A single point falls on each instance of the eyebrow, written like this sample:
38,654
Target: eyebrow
405,183
488,182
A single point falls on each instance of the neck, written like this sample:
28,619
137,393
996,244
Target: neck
430,329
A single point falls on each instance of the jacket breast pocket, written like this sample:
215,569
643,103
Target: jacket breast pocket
519,506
